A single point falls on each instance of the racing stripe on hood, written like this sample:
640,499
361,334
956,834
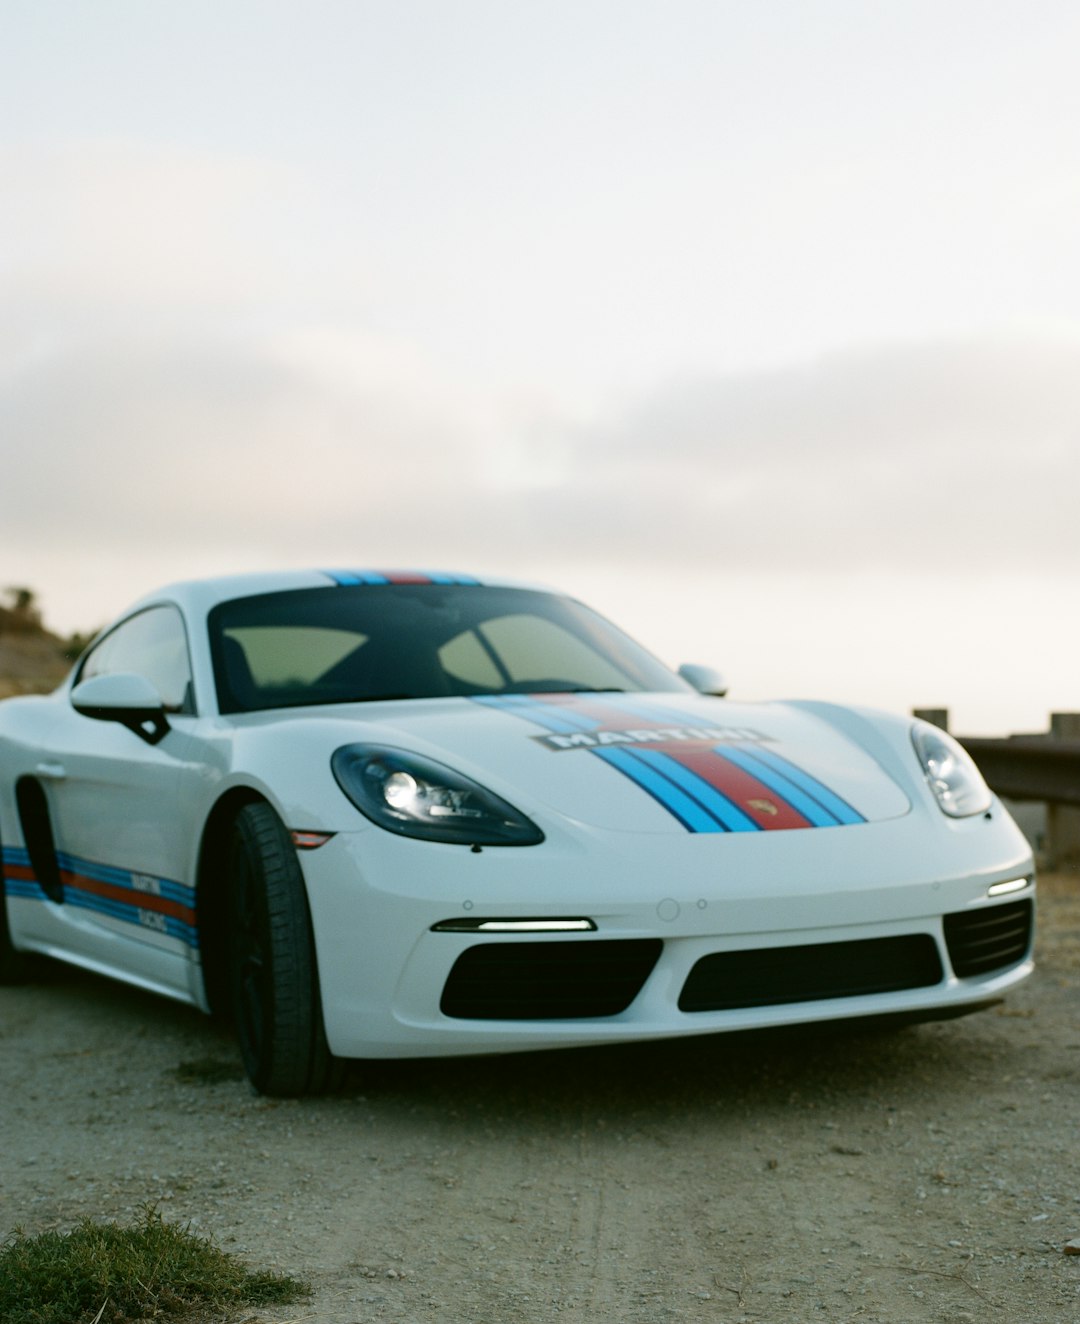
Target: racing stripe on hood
823,807
798,799
707,783
554,714
698,806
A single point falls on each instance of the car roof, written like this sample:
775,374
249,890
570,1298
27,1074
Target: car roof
201,595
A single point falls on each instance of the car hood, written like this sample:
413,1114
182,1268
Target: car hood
648,762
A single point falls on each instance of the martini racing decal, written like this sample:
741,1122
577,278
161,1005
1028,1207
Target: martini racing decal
709,778
649,736
151,903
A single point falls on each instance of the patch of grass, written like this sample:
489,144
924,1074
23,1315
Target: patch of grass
207,1071
100,1273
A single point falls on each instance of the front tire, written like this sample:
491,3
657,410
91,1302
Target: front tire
273,976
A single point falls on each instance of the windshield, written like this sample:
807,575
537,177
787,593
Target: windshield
417,641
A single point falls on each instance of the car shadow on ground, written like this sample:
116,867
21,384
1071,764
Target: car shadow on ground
754,1069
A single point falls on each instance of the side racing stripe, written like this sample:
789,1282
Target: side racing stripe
18,876
159,905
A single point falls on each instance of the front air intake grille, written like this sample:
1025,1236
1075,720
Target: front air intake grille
989,938
531,981
771,976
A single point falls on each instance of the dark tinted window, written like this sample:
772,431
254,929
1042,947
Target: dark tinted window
152,644
417,641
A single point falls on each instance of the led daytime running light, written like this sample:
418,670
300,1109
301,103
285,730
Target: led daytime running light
1004,889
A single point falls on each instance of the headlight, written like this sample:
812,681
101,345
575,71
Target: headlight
421,798
955,780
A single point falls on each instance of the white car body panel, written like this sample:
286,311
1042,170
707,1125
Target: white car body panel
129,819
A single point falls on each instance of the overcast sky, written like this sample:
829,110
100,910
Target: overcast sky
757,324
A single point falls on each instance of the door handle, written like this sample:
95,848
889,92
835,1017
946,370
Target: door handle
53,771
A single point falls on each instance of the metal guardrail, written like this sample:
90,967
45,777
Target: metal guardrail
1029,767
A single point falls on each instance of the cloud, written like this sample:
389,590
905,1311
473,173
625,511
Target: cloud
938,455
942,456
175,374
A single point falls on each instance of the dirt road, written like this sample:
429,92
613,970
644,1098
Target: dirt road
924,1174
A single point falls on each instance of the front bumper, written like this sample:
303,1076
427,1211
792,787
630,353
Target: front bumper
704,935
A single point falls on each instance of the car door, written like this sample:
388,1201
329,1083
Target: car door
124,903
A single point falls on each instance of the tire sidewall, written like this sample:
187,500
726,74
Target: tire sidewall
273,979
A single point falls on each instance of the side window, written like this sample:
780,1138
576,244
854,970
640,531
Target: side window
281,656
152,644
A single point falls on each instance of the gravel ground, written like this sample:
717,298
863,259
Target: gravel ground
929,1173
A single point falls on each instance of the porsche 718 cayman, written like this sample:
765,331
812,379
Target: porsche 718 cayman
392,815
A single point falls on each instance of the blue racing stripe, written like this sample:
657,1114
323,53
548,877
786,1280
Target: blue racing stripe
440,577
18,857
106,873
811,808
687,810
24,887
350,578
728,814
836,809
829,800
131,914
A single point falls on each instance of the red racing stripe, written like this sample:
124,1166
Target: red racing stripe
128,896
756,800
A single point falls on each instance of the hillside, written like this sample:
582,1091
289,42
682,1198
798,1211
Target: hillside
32,659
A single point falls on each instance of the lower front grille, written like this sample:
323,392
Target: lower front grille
989,938
772,976
523,981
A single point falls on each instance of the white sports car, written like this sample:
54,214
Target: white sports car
402,815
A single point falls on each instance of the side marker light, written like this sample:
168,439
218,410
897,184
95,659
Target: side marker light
310,840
